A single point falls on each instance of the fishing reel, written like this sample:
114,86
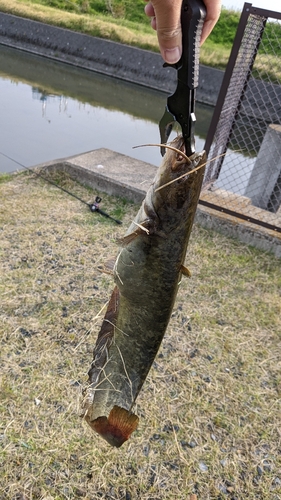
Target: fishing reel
94,207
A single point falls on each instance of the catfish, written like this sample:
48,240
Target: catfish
147,273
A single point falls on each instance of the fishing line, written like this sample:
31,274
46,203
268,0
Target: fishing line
94,207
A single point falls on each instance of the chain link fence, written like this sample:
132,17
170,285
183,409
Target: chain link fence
243,176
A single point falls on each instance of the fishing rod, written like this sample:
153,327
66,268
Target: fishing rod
94,207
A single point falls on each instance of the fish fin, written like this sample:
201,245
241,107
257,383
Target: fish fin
142,228
117,428
107,267
185,271
123,242
105,336
100,355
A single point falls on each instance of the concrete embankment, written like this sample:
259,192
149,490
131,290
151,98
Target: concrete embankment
131,64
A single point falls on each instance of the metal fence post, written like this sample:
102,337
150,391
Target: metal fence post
249,101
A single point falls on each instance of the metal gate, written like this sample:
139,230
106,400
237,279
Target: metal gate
243,176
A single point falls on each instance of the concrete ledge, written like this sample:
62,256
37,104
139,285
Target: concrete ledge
113,173
120,175
250,234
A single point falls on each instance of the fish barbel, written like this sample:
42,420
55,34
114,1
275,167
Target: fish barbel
147,273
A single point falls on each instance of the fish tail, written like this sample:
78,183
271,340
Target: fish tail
117,427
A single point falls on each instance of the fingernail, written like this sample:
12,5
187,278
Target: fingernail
172,55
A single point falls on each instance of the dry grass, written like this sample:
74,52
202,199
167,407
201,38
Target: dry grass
100,25
210,408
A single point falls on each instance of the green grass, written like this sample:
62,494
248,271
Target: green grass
210,408
131,11
4,177
102,25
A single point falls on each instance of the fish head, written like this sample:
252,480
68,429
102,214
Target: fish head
176,164
178,182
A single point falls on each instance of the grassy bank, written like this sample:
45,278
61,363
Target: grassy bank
102,26
210,408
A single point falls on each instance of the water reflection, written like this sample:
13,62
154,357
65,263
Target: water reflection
43,96
50,110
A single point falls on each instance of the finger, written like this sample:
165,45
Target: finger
168,25
153,23
213,13
149,10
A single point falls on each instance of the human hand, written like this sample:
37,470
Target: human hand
165,19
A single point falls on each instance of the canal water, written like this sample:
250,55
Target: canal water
50,110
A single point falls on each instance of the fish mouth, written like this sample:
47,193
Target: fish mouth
178,143
180,162
180,159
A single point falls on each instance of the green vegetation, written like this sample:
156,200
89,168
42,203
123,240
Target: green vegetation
210,408
104,26
122,9
4,177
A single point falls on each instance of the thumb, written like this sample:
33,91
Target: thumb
168,26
